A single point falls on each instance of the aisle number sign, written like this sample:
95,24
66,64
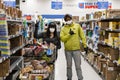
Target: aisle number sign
56,5
95,5
11,3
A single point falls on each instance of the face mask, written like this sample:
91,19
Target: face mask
52,29
69,22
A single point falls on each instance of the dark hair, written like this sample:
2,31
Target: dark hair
51,25
67,16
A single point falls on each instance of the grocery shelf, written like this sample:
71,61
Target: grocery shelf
12,20
103,20
16,49
90,20
111,31
31,39
90,29
110,19
13,36
95,69
103,43
29,21
14,61
2,59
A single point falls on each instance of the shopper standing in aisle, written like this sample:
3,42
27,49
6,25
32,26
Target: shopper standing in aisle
50,36
71,34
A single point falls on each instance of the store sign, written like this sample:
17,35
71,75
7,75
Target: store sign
11,3
56,5
110,5
95,5
102,5
81,5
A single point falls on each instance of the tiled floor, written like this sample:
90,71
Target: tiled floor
60,69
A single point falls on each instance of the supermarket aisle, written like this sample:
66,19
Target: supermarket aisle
60,69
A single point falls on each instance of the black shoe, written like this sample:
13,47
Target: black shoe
69,79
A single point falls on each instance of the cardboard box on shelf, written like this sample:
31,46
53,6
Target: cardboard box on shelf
113,13
87,16
99,64
113,34
97,15
110,41
19,13
118,77
106,40
116,41
111,74
35,77
1,4
4,68
105,50
111,64
104,67
104,25
95,62
114,25
114,53
8,11
11,11
119,25
91,57
75,18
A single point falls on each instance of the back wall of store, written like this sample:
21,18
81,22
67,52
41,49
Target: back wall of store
68,6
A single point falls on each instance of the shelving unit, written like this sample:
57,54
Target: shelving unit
12,42
104,59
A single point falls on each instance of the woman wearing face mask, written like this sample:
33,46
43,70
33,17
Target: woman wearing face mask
50,36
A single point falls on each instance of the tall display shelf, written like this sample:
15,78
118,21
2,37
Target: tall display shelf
103,38
12,40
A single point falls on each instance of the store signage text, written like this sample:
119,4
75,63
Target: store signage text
95,5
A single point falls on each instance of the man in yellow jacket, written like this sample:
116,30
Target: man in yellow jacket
71,34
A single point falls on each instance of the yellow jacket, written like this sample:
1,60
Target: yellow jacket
72,42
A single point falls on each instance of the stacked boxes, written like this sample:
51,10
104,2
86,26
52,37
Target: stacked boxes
110,13
113,13
114,53
97,15
104,25
4,68
114,25
11,12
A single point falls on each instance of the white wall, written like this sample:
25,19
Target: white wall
69,6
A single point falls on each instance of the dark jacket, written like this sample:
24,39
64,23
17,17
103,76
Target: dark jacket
43,35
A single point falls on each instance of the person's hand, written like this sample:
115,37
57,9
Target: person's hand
86,50
71,32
